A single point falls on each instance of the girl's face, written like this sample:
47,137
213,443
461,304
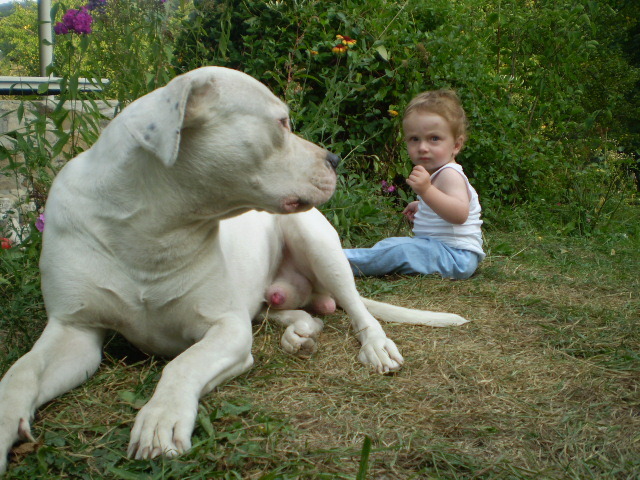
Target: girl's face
429,140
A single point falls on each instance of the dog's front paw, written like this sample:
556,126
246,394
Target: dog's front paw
300,337
10,433
381,354
162,428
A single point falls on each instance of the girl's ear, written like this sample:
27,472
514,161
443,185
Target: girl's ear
458,145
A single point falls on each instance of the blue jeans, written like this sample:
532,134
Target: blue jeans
412,255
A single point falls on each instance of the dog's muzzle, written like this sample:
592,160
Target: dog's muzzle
333,160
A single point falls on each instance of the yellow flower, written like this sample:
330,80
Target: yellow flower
339,49
393,113
346,40
313,52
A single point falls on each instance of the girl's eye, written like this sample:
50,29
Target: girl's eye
435,139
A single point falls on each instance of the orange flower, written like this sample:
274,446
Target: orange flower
339,49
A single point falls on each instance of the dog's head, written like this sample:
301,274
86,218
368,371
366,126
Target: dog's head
225,136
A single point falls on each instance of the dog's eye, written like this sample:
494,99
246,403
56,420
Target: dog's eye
285,123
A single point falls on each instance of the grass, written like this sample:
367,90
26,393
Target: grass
543,383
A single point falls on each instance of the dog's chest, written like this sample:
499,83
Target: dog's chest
160,318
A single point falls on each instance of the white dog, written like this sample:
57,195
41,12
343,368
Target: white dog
139,239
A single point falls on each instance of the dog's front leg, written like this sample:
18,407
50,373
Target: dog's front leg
377,350
165,424
316,248
61,359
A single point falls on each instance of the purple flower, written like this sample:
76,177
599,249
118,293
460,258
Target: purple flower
98,5
60,29
74,21
82,21
386,187
40,223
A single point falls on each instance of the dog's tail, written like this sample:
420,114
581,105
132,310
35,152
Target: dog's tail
393,313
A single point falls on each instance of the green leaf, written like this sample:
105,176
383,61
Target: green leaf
364,459
20,112
121,473
132,398
73,86
382,51
205,423
231,409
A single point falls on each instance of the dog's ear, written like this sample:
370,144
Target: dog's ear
160,116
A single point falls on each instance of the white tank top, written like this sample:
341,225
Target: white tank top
467,236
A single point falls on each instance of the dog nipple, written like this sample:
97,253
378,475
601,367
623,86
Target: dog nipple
277,298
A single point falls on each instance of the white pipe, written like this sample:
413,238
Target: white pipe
46,35
29,85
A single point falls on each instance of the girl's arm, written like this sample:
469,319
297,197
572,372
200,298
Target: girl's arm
447,195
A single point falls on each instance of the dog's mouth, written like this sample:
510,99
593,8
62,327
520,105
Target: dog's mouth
295,205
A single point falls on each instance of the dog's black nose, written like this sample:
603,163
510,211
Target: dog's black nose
333,160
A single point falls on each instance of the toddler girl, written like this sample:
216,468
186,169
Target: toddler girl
446,217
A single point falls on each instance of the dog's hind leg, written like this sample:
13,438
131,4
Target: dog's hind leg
60,360
317,253
300,336
291,290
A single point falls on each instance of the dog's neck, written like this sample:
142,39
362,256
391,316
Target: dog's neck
147,190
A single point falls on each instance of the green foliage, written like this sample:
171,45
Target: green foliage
19,40
129,45
547,86
22,309
361,211
51,132
524,73
598,191
337,100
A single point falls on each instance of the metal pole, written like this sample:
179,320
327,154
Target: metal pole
46,36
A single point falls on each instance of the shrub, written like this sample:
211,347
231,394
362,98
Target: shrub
521,71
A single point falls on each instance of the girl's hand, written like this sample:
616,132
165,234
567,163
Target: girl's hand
448,195
419,180
410,211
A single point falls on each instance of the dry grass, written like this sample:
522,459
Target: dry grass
543,383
